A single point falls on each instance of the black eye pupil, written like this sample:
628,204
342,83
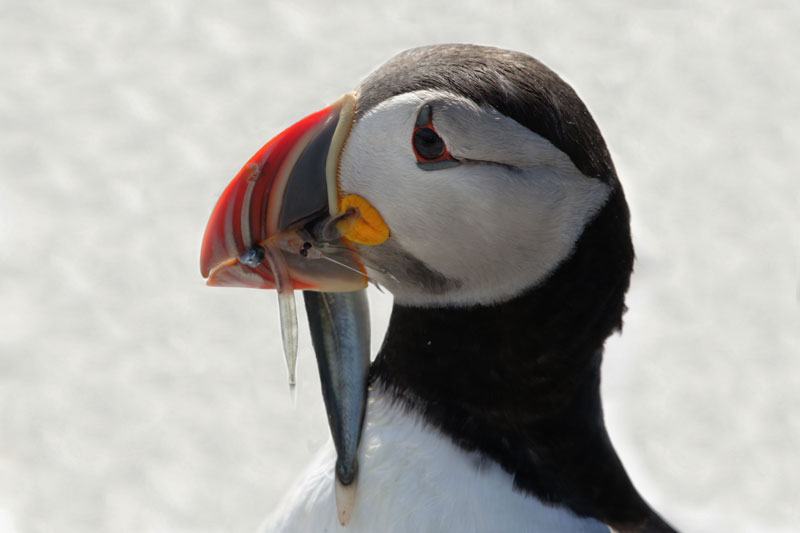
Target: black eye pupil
427,144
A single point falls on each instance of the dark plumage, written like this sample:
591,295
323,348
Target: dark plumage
513,83
519,381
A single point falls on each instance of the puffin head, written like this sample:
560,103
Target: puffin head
454,175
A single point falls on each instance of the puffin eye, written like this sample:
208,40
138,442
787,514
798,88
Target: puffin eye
431,152
428,144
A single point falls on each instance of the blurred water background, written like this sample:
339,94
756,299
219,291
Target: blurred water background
135,399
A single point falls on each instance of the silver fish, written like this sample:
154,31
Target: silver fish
340,333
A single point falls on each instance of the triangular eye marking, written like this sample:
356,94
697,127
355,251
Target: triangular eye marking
429,148
424,118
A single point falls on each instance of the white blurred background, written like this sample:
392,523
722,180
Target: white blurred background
135,399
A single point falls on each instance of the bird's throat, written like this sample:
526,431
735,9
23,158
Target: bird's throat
519,381
529,358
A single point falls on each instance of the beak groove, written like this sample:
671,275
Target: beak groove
290,182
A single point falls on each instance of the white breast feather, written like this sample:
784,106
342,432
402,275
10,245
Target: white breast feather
413,479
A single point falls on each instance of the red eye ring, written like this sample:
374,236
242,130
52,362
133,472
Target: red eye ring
428,145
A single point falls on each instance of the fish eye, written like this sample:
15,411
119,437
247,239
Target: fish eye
253,256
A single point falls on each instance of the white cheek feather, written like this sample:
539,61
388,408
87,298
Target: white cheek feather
413,478
497,224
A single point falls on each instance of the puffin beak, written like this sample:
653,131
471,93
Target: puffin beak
285,200
283,224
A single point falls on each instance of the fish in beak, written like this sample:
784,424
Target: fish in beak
283,224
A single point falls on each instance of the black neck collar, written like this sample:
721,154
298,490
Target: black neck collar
520,381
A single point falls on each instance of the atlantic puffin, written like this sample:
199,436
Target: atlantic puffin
473,184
